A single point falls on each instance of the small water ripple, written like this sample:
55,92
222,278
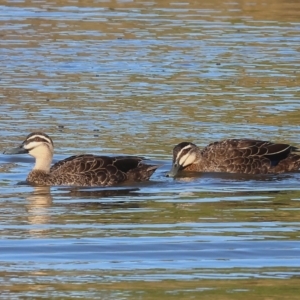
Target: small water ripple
136,77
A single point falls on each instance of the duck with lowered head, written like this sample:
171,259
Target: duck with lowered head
236,156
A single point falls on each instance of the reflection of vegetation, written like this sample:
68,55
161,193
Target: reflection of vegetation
136,79
194,213
110,285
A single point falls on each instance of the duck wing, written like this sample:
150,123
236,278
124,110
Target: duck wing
91,170
248,148
265,148
247,155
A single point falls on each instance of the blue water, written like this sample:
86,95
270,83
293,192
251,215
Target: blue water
136,78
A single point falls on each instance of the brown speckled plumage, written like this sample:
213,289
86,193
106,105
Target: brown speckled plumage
236,156
80,170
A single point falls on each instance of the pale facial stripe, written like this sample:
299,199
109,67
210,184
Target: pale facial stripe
188,147
42,137
35,141
185,159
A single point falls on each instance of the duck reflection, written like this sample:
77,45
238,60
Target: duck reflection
42,203
38,205
189,176
88,197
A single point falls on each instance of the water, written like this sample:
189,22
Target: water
136,78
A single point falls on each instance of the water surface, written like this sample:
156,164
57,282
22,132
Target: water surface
136,78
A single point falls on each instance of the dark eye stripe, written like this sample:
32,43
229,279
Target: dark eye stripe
185,151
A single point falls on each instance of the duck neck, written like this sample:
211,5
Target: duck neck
43,163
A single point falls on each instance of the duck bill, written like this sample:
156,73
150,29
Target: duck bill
17,150
174,170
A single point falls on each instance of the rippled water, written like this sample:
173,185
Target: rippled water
137,77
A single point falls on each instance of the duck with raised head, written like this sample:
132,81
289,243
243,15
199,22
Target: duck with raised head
79,170
236,156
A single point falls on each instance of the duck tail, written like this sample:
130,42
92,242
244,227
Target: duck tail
142,172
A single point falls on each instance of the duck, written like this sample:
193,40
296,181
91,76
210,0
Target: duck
79,170
247,156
